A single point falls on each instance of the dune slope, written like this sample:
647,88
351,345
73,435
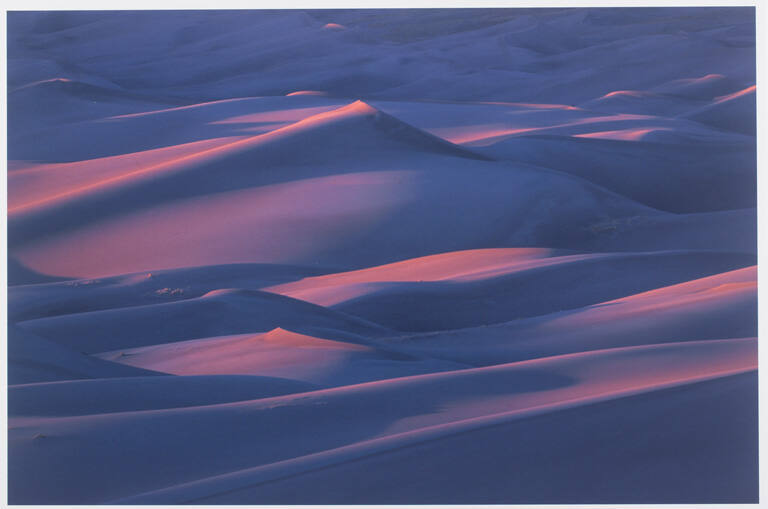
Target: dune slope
298,425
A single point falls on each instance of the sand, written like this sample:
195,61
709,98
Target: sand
382,257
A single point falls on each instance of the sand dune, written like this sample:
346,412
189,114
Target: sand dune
328,419
37,105
250,184
714,307
481,124
734,229
541,47
546,461
460,265
699,176
41,183
153,127
138,393
373,130
382,256
34,359
283,353
731,112
642,102
618,126
499,292
77,296
227,311
468,265
706,87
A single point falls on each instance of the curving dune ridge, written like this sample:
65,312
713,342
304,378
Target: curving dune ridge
378,257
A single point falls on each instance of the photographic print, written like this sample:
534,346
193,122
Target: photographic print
382,256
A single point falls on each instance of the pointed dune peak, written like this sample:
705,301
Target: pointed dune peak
288,338
277,331
355,109
361,107
368,127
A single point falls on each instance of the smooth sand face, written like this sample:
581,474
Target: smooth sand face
382,257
